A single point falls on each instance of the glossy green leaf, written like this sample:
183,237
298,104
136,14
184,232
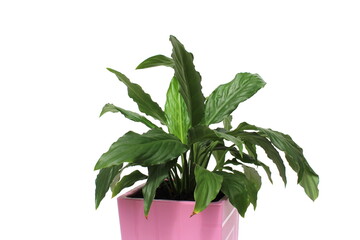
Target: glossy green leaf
128,114
234,186
189,81
307,177
155,61
225,99
128,181
254,183
178,121
151,148
143,100
208,186
157,175
269,149
103,182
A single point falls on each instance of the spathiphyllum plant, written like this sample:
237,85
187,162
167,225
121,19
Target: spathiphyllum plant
185,158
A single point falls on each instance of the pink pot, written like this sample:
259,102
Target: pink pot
170,220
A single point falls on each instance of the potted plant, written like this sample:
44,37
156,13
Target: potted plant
193,170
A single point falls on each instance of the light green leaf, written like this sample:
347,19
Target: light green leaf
151,148
269,149
128,181
225,99
155,61
143,100
208,185
178,121
227,123
103,181
234,186
128,114
157,175
189,81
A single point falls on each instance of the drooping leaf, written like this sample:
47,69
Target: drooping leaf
128,181
128,114
307,177
157,175
143,100
254,183
208,185
177,116
155,61
103,181
225,99
151,148
248,159
234,186
269,149
189,81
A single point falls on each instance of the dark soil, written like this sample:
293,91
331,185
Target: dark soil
163,193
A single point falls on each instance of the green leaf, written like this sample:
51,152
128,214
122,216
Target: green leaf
202,133
248,159
103,181
208,185
234,186
151,148
231,138
128,114
227,123
189,80
225,99
269,149
143,100
155,61
307,177
157,175
128,181
254,183
178,121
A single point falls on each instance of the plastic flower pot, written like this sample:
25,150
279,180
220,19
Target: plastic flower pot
170,220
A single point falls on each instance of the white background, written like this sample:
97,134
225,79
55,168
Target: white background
53,84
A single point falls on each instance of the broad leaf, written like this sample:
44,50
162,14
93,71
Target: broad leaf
254,183
189,81
128,114
208,186
103,181
154,61
178,121
157,175
143,100
151,148
225,99
128,181
269,149
234,186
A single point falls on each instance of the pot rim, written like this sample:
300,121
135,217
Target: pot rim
135,189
